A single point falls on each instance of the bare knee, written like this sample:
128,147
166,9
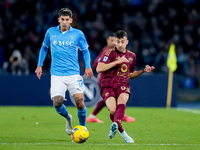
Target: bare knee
79,102
112,111
111,104
57,101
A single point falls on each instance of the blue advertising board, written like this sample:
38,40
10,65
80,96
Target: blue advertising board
146,91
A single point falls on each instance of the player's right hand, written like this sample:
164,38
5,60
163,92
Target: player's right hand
122,60
38,71
88,73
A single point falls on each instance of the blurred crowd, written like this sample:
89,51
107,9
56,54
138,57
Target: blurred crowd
152,25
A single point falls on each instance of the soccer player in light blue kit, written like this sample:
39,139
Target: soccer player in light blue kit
65,72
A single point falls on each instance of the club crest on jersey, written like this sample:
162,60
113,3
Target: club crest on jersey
124,68
105,58
55,42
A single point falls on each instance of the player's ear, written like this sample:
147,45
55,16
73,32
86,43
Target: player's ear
127,42
71,20
59,20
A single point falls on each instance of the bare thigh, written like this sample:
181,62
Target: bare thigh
123,98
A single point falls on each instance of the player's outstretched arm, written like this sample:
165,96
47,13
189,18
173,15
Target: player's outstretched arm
136,74
102,67
38,71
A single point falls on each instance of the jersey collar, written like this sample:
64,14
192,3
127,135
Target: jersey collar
70,28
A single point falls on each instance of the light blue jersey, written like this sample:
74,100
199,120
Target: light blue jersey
64,51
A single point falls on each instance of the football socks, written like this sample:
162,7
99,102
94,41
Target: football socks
98,107
62,111
82,113
119,114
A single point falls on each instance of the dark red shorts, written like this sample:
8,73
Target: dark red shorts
114,91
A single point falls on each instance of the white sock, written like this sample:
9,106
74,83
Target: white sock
68,117
122,133
92,116
126,137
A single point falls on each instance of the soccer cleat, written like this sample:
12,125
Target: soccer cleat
69,127
128,119
113,130
93,120
126,137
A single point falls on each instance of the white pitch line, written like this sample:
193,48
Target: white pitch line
20,144
189,110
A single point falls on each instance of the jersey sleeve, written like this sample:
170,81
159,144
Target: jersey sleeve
44,49
86,56
98,59
82,42
46,41
94,66
107,57
133,64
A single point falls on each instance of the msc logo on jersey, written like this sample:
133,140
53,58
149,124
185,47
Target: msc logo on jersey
91,92
65,43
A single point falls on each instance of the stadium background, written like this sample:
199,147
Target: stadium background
152,25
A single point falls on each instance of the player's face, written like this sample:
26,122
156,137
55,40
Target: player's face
111,41
65,22
121,44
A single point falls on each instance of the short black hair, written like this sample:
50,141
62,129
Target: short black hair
120,34
65,12
111,34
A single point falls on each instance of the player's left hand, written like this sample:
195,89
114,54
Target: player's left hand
88,73
148,68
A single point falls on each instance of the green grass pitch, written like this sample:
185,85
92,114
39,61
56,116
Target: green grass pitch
41,128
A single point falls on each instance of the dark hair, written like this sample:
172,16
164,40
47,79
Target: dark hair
65,12
111,34
120,34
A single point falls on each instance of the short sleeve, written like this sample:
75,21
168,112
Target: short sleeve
107,57
133,64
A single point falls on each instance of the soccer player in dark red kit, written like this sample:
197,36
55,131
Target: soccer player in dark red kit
118,65
92,117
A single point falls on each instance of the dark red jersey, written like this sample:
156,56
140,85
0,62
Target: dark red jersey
101,54
99,57
120,73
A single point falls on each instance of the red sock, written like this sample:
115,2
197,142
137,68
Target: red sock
98,107
119,114
111,117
